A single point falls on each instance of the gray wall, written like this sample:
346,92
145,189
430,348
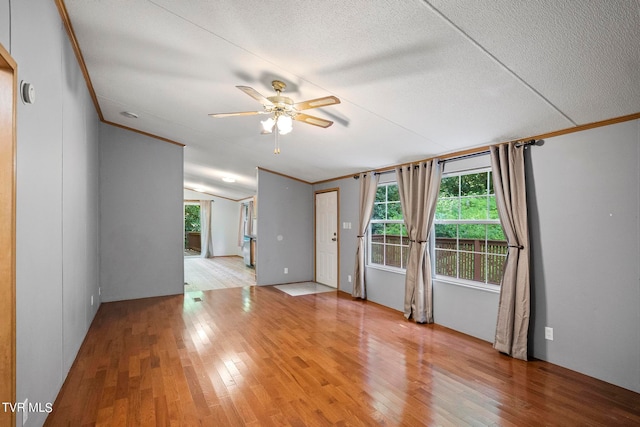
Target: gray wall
57,203
4,24
80,166
285,230
141,216
225,220
585,232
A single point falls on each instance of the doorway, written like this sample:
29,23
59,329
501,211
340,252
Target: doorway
327,237
8,95
192,225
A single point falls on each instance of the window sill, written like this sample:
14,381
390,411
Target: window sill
495,289
388,269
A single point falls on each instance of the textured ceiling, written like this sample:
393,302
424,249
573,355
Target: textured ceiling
416,78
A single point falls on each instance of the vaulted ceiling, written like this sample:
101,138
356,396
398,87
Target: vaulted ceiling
416,78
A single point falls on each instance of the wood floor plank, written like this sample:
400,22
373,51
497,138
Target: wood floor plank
256,356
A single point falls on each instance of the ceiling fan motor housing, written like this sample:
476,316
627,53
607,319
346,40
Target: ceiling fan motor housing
281,103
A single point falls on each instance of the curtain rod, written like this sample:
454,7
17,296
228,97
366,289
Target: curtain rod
482,152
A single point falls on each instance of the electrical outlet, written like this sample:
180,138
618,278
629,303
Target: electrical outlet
91,300
349,278
548,333
286,270
99,290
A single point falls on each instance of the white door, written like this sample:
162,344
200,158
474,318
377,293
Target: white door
327,238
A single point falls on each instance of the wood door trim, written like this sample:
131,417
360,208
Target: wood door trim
315,261
8,92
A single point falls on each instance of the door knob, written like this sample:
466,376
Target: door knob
334,239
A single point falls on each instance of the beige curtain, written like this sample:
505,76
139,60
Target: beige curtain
250,217
418,186
243,208
368,187
206,240
507,162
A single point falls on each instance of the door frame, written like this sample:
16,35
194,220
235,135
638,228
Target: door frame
8,97
315,259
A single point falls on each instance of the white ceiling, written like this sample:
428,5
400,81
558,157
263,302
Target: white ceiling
416,78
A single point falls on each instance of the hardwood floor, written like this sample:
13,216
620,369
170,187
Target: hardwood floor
259,357
204,274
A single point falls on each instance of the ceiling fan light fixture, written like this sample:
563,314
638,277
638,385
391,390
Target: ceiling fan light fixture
267,125
285,124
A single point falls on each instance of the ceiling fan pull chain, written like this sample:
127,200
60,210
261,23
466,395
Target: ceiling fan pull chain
276,149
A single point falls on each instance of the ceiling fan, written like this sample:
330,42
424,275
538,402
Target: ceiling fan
284,111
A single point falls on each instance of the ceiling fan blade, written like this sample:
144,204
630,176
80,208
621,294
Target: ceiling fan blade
256,95
312,120
315,103
242,113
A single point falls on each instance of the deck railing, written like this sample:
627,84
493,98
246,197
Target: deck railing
471,261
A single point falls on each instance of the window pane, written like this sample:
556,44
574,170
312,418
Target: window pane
493,209
377,253
449,186
494,232
381,193
394,211
466,265
472,231
446,236
392,193
446,230
379,211
448,208
473,208
473,184
393,232
393,255
377,233
446,262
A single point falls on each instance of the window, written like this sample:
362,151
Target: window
388,241
469,241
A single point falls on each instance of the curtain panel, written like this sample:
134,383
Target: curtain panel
206,240
512,329
368,188
418,186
